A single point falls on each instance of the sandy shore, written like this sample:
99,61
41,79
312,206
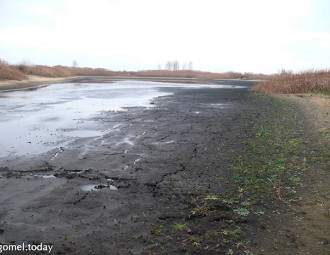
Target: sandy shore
33,79
32,82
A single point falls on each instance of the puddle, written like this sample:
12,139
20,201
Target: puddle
163,143
89,187
126,141
168,142
60,150
136,161
214,106
97,187
115,127
217,105
44,176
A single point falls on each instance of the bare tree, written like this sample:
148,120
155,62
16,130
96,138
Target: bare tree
190,66
176,65
168,65
24,66
3,62
74,64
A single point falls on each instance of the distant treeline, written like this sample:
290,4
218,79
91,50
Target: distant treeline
21,71
283,82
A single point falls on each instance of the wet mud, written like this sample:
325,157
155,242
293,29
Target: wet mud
115,193
145,147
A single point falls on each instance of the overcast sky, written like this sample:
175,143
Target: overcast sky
216,35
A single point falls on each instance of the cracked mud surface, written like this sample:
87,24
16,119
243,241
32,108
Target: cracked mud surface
161,159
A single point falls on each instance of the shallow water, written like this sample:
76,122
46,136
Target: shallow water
45,176
96,187
48,118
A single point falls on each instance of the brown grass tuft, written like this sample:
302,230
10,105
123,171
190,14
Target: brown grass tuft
304,82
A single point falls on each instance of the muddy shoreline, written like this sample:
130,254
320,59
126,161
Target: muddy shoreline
35,84
175,155
168,138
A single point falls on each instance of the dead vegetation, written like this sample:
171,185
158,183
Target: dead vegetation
22,70
292,83
8,73
198,74
285,83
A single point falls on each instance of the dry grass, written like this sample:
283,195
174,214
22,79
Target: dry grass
85,71
47,71
199,74
189,74
8,73
305,82
20,72
61,71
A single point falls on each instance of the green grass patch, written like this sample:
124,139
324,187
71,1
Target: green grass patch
324,92
326,132
180,227
275,156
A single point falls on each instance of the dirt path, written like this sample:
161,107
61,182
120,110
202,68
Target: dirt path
204,175
316,108
308,220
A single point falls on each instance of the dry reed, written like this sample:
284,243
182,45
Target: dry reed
304,82
8,73
22,70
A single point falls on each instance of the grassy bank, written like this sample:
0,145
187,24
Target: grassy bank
276,180
289,83
267,180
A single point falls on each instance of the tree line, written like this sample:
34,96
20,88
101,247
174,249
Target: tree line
175,65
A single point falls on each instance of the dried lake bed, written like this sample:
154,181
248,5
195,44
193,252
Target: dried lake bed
100,166
80,161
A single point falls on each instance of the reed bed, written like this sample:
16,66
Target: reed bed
294,83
